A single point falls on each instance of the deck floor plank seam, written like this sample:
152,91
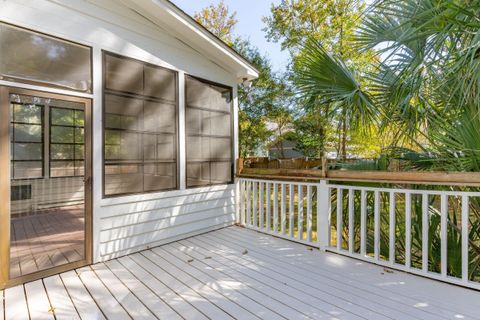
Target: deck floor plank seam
310,308
341,290
178,303
217,284
229,273
315,267
314,296
153,302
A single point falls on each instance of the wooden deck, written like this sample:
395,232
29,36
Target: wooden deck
237,273
46,239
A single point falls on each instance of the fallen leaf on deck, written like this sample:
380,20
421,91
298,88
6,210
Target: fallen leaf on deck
245,252
387,270
51,309
208,257
190,260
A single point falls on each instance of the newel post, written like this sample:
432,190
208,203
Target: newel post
323,214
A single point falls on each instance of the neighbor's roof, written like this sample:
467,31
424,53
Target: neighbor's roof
188,30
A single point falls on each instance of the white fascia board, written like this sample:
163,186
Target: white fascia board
179,24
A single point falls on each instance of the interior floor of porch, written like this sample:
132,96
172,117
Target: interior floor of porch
241,274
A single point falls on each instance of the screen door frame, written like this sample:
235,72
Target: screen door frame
5,186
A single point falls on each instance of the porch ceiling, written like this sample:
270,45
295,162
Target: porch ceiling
171,18
237,273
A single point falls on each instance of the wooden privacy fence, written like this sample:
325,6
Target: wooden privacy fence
433,233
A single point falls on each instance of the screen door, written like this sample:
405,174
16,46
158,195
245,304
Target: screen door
49,183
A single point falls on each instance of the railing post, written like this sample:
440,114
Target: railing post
323,215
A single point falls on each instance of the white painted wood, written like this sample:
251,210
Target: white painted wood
162,293
268,206
408,229
437,298
242,201
275,207
392,228
206,270
262,205
182,158
351,239
300,212
363,222
38,304
154,303
248,198
465,237
103,297
443,234
213,275
339,218
323,214
188,294
291,213
16,304
425,223
60,299
132,305
84,303
255,203
2,306
232,303
309,214
376,225
283,219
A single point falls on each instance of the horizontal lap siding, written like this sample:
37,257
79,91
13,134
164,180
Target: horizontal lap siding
138,225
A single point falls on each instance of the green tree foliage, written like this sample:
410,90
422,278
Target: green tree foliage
218,20
332,23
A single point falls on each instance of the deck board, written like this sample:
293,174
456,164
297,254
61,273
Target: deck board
235,273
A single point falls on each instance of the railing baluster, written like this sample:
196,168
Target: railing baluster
363,223
465,238
408,230
283,209
267,213
425,220
376,245
242,202
392,222
275,207
255,213
443,234
351,239
262,204
309,213
300,212
291,213
249,204
339,218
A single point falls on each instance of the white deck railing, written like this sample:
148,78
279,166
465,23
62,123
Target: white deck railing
425,232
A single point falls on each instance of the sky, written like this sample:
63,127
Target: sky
250,24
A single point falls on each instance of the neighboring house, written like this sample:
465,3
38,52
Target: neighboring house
118,131
284,149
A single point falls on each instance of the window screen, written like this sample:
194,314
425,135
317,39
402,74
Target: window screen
209,133
140,127
26,136
27,56
66,142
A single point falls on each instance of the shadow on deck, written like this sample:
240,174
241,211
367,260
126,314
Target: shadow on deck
237,273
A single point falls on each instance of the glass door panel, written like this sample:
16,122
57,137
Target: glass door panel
48,199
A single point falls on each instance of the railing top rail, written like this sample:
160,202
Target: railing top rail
471,179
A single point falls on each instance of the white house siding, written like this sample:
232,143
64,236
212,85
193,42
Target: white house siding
132,223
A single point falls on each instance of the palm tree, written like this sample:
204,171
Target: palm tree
426,87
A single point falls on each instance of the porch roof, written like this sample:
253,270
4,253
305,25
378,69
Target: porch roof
169,17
